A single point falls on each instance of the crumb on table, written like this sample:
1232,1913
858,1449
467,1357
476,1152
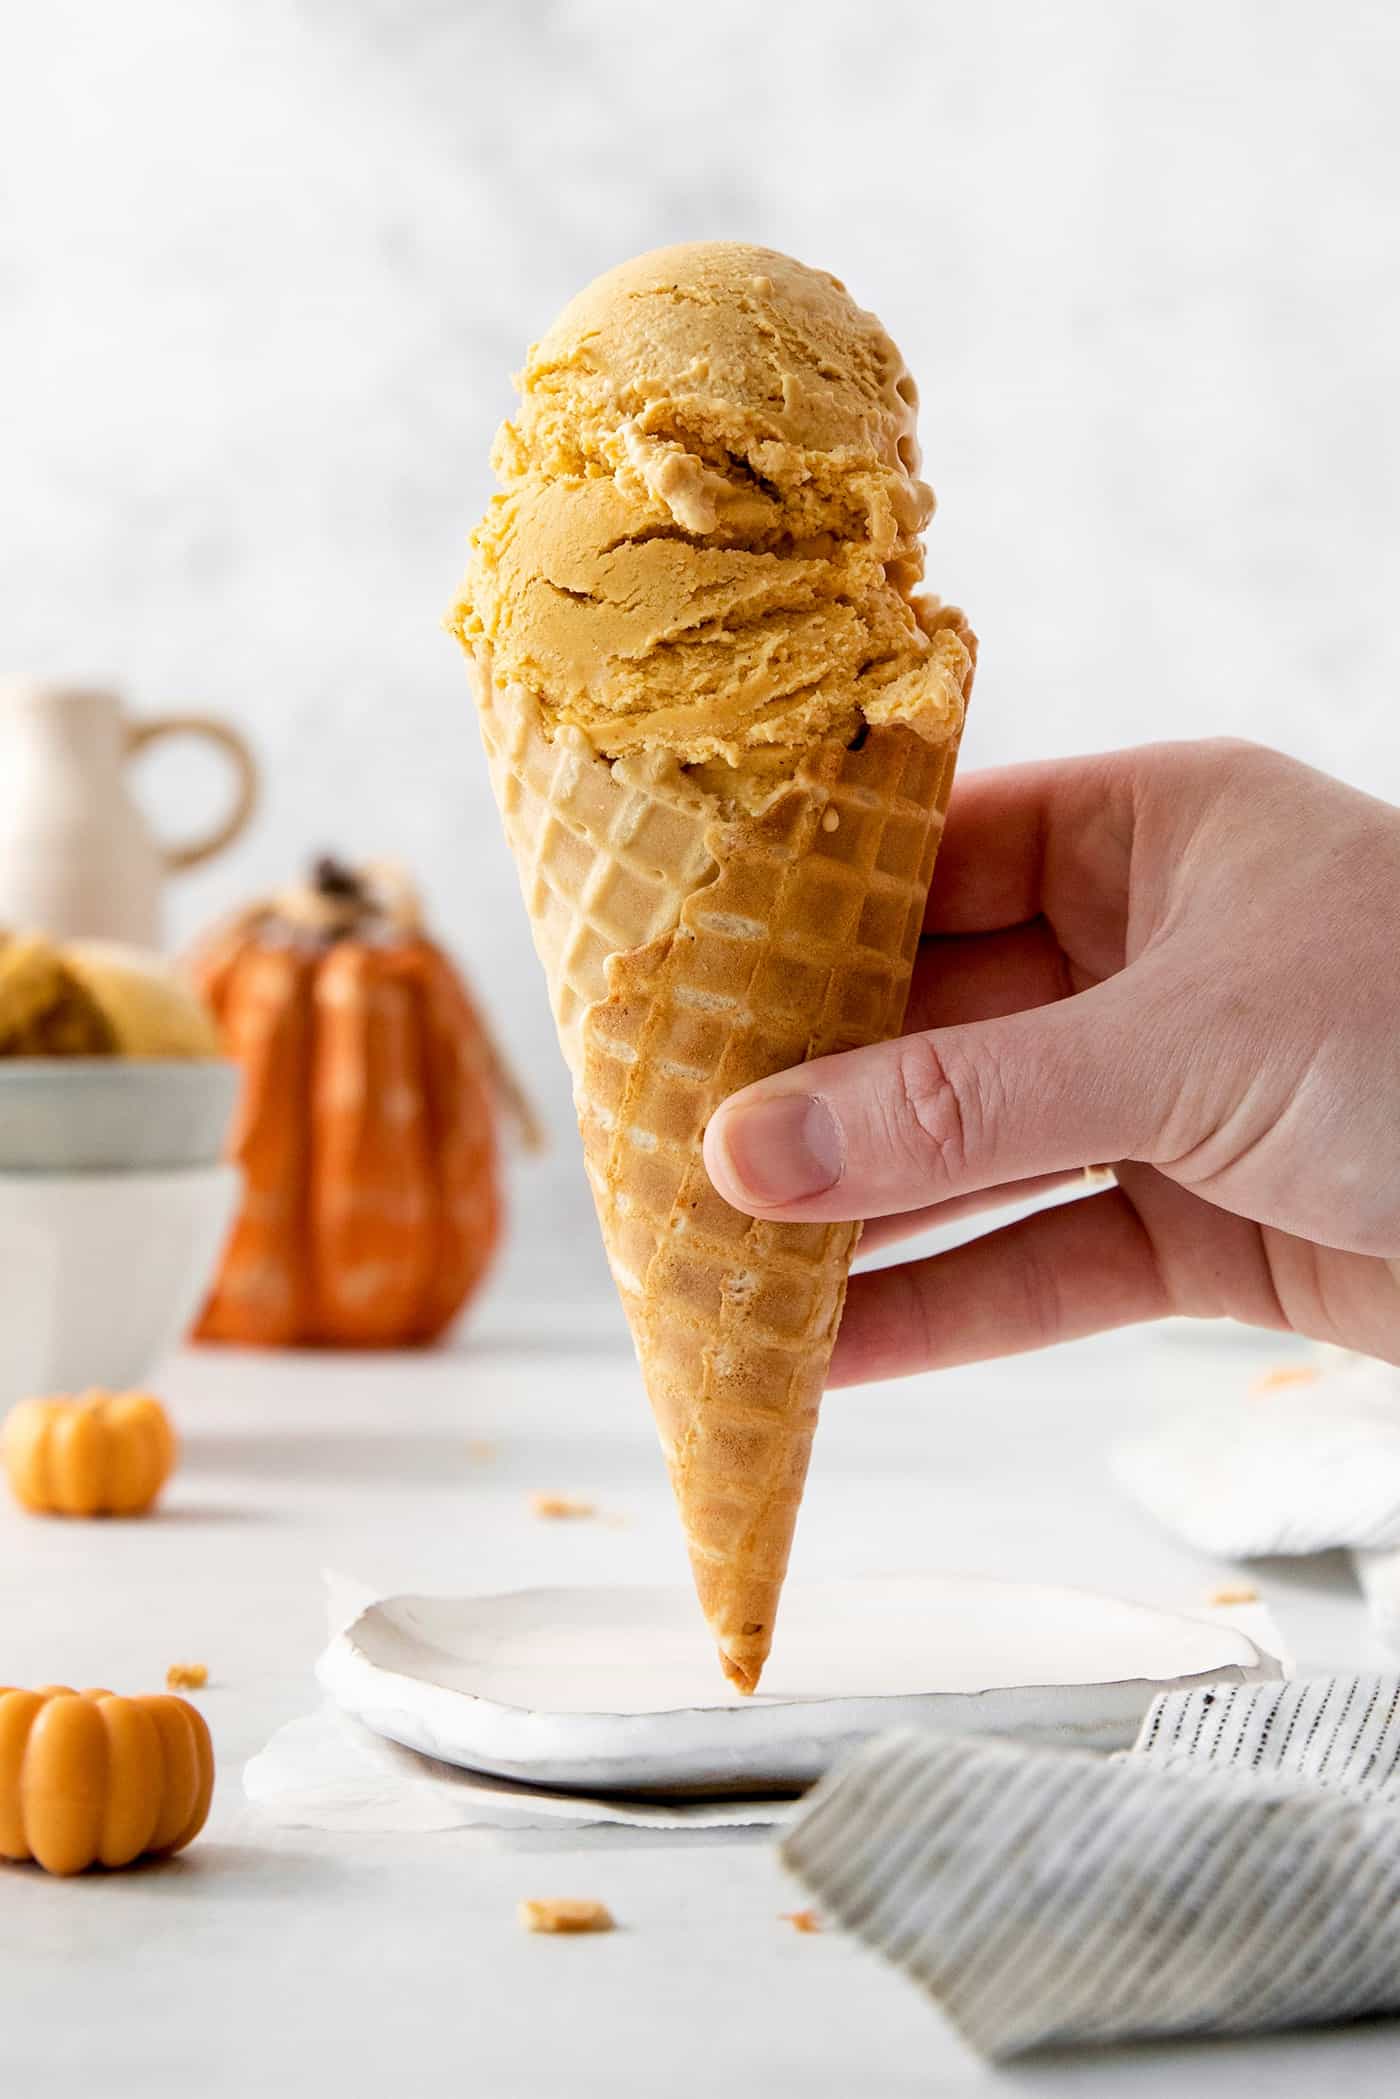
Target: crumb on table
1285,1374
1234,1592
566,1914
186,1676
800,1920
481,1452
561,1505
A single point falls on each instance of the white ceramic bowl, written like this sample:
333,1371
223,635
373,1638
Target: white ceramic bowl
101,1273
100,1114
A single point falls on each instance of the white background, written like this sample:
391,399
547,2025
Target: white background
265,269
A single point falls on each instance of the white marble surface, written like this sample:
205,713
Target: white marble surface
265,267
271,1960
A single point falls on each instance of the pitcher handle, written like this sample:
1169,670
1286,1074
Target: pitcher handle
245,798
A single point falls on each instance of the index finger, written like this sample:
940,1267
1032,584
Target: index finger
1027,840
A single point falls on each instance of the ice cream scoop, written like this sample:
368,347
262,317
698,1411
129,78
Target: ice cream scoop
92,998
706,540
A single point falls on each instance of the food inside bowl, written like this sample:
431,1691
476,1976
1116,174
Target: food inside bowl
45,1010
96,998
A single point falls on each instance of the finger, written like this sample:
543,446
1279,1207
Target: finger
887,1231
1030,839
927,1117
980,976
1063,1273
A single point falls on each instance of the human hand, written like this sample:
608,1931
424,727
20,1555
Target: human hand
1183,960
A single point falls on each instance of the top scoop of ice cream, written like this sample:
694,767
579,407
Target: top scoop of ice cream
707,536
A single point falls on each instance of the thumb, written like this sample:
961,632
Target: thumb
923,1118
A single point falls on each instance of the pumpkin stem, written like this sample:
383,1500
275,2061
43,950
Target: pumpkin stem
332,878
339,901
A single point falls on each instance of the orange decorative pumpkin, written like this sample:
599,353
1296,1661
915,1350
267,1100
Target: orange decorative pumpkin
90,1779
103,1454
367,1127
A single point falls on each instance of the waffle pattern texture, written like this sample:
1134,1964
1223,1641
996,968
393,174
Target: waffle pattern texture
690,949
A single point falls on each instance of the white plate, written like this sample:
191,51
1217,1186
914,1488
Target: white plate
618,1690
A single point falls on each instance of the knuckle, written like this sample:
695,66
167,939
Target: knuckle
913,1328
1036,1282
1232,759
1236,748
936,1111
1205,760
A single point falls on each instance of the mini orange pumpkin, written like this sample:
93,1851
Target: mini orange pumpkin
366,1131
103,1454
87,1778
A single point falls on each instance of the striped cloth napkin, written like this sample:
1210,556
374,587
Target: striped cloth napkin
1237,1870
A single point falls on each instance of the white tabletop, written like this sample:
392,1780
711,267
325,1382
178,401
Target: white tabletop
268,1960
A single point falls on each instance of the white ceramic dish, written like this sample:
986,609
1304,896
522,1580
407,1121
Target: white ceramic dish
113,1114
617,1690
101,1273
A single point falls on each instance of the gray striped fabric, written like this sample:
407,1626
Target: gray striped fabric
1239,1869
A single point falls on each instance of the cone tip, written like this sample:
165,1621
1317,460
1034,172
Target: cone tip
743,1677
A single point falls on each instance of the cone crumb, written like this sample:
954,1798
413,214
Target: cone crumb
1237,1592
482,1453
186,1676
1286,1374
801,1920
565,1914
561,1507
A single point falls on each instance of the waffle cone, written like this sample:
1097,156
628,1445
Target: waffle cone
690,950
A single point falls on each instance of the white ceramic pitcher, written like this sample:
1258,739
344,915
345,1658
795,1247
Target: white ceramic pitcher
77,858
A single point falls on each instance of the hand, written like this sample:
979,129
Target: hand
1183,960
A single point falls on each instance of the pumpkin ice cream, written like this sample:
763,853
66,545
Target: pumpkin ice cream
93,998
45,1008
708,530
721,725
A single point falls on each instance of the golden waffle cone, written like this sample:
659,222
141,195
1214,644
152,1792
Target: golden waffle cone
690,950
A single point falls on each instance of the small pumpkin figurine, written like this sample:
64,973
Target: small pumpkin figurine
90,1779
102,1454
367,1126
